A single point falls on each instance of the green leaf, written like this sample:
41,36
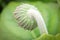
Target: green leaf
46,37
49,37
58,36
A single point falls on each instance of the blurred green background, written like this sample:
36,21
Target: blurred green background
4,3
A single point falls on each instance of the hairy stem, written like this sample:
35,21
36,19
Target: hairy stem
40,22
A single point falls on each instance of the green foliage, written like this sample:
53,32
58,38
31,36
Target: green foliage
11,31
58,36
37,0
49,37
58,2
46,37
